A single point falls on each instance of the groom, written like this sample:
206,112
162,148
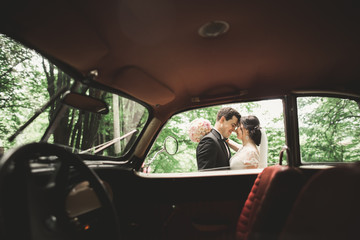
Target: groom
213,150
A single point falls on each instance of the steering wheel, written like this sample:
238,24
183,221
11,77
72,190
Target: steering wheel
35,209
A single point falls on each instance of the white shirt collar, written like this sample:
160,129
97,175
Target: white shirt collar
222,137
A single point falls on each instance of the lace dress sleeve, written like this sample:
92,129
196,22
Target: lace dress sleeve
245,158
251,159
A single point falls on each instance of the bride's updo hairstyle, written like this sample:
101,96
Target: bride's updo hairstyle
252,124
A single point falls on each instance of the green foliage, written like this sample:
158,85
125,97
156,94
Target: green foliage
22,86
185,159
329,129
28,81
132,116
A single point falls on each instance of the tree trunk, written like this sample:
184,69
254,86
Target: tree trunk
116,122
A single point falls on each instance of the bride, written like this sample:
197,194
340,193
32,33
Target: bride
253,151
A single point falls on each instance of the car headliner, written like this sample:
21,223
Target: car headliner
152,51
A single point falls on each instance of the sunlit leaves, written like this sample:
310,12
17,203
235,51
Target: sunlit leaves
185,159
21,82
329,129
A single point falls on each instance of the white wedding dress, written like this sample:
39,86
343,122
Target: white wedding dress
247,157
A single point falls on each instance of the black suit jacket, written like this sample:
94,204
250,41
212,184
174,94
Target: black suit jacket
211,152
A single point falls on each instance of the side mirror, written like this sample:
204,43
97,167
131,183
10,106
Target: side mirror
171,145
85,102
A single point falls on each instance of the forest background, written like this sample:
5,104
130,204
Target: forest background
329,127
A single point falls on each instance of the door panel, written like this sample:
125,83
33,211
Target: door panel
178,208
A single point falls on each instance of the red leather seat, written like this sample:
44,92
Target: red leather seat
269,203
254,200
277,204
328,206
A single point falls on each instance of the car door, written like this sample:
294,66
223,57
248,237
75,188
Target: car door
190,207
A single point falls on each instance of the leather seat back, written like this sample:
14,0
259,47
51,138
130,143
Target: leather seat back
254,200
328,206
277,204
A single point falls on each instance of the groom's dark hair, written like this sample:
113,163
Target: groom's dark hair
228,113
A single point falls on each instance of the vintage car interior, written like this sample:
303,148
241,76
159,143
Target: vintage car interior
161,60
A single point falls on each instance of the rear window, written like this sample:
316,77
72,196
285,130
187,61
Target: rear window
329,129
